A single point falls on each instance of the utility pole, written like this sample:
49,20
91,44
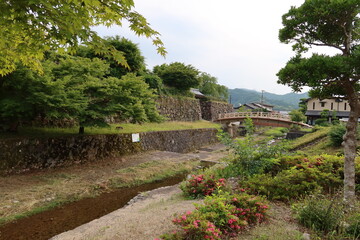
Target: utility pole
262,96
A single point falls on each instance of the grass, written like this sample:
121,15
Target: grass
276,132
112,129
150,172
308,138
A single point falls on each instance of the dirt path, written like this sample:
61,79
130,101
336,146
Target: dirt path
145,219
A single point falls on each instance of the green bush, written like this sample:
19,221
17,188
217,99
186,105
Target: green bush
336,134
276,132
295,176
353,230
287,185
251,157
324,122
320,213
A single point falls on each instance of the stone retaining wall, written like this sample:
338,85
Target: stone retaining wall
21,155
175,109
210,110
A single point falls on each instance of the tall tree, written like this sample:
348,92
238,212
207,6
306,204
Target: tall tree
135,60
333,24
178,75
29,28
209,86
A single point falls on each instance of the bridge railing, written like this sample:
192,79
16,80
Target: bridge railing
253,115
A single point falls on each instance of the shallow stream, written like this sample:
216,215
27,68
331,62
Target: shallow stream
47,224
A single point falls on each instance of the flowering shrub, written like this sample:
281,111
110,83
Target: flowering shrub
251,209
201,185
221,216
221,212
194,226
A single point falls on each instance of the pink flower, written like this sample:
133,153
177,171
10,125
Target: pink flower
231,221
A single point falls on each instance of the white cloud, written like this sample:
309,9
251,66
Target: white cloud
233,40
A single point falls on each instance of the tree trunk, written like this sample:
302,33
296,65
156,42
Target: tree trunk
349,145
81,130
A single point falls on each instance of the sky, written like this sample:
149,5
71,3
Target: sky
235,41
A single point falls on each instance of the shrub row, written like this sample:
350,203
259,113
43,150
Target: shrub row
295,176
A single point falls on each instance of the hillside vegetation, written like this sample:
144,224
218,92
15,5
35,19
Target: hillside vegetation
285,102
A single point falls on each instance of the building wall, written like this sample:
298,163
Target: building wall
315,104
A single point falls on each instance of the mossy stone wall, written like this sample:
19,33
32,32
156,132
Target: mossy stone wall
21,155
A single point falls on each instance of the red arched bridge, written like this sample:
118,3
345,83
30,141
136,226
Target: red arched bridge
260,119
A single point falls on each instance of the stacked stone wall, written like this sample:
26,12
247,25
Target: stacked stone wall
21,155
210,109
175,109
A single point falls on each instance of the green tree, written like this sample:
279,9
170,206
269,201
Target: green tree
178,75
210,87
76,88
333,24
131,51
303,105
29,28
297,116
154,82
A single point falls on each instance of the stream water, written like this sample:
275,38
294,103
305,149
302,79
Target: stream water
47,224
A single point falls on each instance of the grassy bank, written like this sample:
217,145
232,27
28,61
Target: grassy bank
112,129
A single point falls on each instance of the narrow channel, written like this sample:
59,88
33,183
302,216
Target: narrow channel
47,224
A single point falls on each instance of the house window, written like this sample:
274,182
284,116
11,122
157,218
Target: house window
332,106
345,106
313,105
322,104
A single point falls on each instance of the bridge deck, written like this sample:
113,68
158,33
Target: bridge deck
237,116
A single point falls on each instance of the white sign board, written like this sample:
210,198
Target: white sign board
135,137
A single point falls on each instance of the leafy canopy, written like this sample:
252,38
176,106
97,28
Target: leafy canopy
210,87
134,58
178,75
29,28
75,88
329,23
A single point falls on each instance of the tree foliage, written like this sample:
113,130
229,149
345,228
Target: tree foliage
75,88
29,28
333,24
297,116
135,60
178,75
210,87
